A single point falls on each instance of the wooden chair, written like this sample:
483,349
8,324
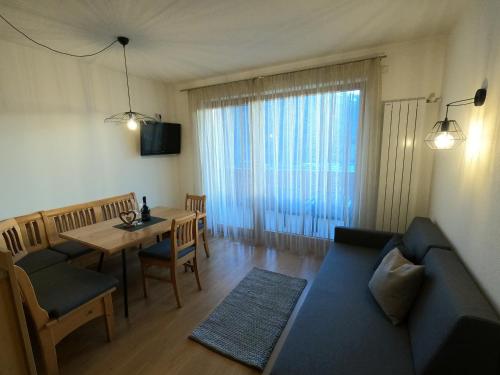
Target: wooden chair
81,295
175,251
197,203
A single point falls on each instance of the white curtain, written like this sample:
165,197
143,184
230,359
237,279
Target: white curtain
284,159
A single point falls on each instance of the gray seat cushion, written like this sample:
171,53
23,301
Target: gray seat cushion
62,288
161,250
39,260
421,235
72,249
453,328
340,329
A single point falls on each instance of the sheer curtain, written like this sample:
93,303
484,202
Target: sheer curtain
285,159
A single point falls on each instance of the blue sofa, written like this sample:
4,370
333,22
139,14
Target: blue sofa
340,329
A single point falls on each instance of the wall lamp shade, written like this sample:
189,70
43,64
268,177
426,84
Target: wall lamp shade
447,134
131,118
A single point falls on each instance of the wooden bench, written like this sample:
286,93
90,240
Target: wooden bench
68,218
16,356
41,258
33,231
82,295
40,230
110,208
76,216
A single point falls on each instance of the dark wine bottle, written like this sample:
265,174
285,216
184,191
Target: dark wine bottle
145,212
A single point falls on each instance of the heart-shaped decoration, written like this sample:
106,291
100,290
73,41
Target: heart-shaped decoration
128,217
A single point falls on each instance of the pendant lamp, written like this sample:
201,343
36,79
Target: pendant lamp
131,118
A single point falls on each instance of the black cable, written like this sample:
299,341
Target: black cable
52,49
126,75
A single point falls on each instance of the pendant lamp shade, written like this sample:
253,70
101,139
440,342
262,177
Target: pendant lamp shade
131,118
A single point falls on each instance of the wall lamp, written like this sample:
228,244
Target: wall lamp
447,134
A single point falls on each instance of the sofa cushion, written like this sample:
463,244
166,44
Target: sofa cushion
362,237
161,250
62,287
72,249
339,329
396,241
453,328
395,284
421,235
39,260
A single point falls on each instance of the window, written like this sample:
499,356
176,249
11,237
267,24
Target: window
286,163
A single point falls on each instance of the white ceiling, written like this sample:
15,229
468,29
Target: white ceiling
180,40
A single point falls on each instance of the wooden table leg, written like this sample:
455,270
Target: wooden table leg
125,286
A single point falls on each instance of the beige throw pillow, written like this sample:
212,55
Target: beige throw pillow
395,284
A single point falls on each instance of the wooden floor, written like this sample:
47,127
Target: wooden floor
154,340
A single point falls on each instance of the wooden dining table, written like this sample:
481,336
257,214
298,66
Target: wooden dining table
109,240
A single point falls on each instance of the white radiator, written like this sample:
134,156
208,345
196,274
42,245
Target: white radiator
405,163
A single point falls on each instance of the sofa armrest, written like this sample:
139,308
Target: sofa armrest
362,237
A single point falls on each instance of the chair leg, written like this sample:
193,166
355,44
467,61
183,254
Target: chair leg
49,353
144,280
109,317
173,275
205,243
195,266
188,266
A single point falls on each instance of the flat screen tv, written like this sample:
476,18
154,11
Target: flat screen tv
160,138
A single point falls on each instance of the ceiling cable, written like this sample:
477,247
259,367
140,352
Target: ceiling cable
52,49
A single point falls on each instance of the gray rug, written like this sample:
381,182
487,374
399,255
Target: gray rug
248,323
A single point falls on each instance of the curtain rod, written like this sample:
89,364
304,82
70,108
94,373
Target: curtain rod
403,99
291,71
428,99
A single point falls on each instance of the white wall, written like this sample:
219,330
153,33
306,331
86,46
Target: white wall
466,184
411,69
55,148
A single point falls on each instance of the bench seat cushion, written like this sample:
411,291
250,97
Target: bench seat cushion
340,329
161,250
72,249
63,287
39,260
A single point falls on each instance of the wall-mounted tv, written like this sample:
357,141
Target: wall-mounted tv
160,138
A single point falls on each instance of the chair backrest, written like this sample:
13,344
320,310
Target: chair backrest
39,315
11,239
16,356
68,218
184,233
196,203
111,207
33,231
